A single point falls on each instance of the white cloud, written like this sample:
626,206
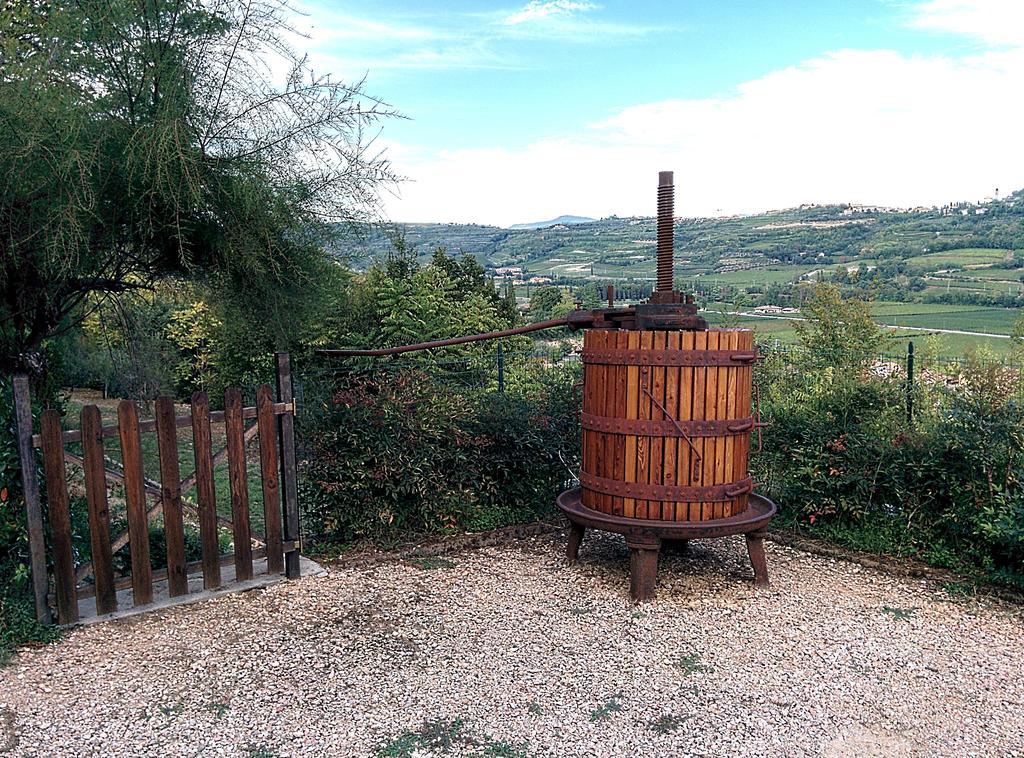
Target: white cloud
996,22
538,10
850,126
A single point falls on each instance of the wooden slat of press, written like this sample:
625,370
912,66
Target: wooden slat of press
206,491
657,442
632,409
745,409
700,376
271,483
611,398
731,403
670,471
239,485
170,495
707,509
587,441
619,469
604,451
617,441
60,518
604,410
721,411
93,465
135,499
684,454
643,443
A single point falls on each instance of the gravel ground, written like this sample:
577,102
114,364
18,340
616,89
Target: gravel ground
506,651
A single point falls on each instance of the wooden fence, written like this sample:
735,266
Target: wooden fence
145,499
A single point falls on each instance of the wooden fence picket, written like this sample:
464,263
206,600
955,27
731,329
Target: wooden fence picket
170,488
135,497
206,493
271,485
60,518
239,485
99,513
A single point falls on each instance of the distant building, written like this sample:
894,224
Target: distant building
509,271
768,309
539,280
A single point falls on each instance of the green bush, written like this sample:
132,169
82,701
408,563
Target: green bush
405,452
841,461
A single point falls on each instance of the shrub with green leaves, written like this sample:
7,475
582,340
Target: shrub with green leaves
841,460
408,452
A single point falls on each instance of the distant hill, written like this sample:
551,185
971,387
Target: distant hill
564,220
972,249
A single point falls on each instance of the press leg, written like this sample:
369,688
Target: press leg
643,569
572,548
755,548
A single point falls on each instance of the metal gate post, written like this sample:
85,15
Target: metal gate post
289,475
910,383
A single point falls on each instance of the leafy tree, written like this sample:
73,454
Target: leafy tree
543,302
837,332
139,140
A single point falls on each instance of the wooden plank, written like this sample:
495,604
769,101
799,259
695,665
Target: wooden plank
170,496
289,472
729,451
206,493
670,469
587,438
608,440
267,422
30,491
725,342
700,342
632,411
619,462
99,511
238,484
60,517
135,497
707,509
657,442
643,442
746,385
249,412
684,453
597,338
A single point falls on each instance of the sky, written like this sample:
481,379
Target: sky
522,110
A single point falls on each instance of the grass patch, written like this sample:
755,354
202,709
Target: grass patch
666,724
900,614
690,664
431,563
445,735
439,735
612,705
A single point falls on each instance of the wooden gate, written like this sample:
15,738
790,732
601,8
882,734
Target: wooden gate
145,499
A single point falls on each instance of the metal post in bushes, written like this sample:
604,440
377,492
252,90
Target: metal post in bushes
910,383
501,369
